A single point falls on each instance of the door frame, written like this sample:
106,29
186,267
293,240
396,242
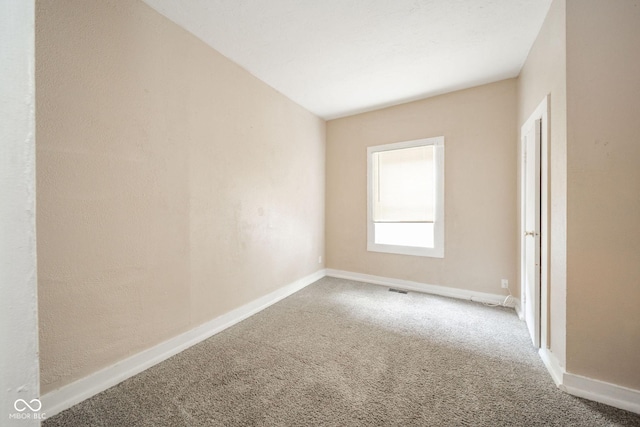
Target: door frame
540,113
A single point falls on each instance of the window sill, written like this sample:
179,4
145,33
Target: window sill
407,250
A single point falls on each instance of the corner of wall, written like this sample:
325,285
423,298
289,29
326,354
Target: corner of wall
19,366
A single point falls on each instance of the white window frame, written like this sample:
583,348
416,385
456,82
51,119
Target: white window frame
438,250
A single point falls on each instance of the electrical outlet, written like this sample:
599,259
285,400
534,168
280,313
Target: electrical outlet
320,260
505,284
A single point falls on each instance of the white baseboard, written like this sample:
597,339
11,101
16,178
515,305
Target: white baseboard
589,388
65,397
518,307
419,287
603,392
553,366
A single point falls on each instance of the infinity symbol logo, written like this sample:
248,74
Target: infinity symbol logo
36,407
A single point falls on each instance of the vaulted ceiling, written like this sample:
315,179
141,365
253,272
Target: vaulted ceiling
341,57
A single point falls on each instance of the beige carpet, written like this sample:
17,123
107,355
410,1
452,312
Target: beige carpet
342,353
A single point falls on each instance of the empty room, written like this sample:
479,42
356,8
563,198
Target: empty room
341,212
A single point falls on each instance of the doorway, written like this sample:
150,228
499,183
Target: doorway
534,139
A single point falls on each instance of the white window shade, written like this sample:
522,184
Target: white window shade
404,185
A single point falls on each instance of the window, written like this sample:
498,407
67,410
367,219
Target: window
406,198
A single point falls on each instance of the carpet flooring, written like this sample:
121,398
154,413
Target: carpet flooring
343,353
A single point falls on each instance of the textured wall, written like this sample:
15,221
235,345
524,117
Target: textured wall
586,57
172,185
18,288
544,73
603,181
479,126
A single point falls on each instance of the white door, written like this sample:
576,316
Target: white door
531,189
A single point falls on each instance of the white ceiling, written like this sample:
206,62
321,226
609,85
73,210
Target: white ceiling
340,57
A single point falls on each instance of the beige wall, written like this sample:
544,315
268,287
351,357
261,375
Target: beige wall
603,180
544,73
479,126
172,186
586,58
